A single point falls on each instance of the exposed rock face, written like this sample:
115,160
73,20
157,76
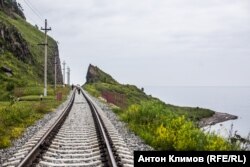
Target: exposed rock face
94,74
51,65
11,7
11,40
53,57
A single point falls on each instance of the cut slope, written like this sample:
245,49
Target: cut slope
21,54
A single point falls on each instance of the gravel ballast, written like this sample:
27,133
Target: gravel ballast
29,132
133,142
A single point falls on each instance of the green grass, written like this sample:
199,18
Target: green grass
134,95
26,83
16,116
14,119
164,129
35,98
162,126
22,74
26,74
192,113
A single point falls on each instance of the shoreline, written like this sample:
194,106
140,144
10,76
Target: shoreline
218,117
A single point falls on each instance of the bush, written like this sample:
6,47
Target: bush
166,130
5,142
16,132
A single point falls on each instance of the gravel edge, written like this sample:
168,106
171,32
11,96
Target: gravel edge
7,153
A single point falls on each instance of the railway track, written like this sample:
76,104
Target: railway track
80,136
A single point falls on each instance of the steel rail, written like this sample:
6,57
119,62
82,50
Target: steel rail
110,155
37,149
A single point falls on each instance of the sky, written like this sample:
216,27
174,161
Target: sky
151,42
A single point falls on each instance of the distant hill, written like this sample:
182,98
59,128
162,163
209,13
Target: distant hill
101,84
162,126
21,58
95,74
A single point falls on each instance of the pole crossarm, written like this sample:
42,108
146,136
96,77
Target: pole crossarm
43,44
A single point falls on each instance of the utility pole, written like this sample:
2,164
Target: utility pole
46,29
55,70
64,71
68,74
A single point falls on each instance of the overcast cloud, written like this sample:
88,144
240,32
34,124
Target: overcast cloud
152,42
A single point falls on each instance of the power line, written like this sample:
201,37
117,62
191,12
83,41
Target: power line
39,15
33,6
33,10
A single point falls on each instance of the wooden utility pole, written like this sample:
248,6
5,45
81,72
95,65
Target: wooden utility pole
46,29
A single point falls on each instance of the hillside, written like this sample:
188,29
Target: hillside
162,126
22,73
21,58
97,75
11,8
101,84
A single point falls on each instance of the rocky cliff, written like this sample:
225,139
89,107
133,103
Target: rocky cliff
94,74
12,40
11,8
21,58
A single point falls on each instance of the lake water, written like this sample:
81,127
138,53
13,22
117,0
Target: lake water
232,100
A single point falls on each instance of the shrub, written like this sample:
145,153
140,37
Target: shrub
5,142
166,130
16,132
164,139
216,143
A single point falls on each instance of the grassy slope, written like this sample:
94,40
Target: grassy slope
136,96
26,83
24,74
163,126
16,116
